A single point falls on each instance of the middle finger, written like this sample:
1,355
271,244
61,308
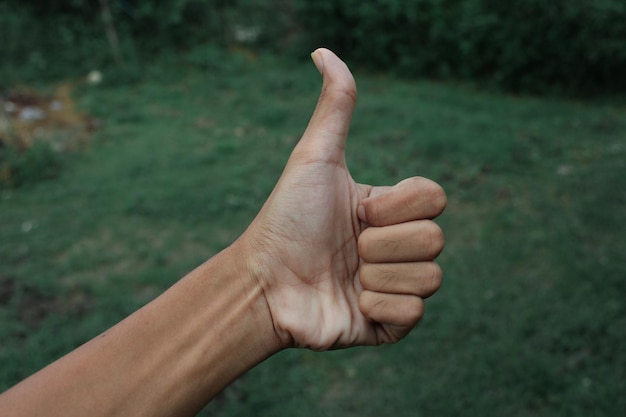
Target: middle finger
420,240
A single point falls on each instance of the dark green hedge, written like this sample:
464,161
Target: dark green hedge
566,46
571,46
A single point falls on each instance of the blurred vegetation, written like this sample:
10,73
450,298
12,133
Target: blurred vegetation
191,125
39,162
537,46
530,319
572,47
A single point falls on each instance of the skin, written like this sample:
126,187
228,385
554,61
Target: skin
327,263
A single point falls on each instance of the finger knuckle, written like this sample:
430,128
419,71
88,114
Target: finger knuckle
413,311
364,246
435,238
430,196
339,90
430,280
366,273
436,277
375,215
435,195
364,304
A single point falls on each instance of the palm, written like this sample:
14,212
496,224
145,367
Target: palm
321,289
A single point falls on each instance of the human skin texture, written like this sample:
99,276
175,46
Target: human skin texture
327,263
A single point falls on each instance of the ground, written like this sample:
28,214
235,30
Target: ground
530,318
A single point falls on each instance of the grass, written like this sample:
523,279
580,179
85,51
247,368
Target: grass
530,319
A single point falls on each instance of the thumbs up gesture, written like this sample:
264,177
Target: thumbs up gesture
340,263
326,264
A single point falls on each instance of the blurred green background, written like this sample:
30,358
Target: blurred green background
139,138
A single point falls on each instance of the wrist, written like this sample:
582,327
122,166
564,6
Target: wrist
262,271
244,294
223,328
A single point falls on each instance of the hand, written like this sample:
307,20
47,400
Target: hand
340,263
333,263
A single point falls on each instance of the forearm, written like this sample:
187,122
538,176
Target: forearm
168,358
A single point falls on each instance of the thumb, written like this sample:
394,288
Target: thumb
325,136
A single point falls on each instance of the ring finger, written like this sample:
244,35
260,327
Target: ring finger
422,279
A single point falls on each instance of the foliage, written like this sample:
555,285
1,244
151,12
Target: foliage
530,319
563,46
55,39
522,45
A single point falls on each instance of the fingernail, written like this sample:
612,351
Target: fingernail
318,61
361,213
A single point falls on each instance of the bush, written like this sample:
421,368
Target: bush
573,46
55,39
566,46
45,41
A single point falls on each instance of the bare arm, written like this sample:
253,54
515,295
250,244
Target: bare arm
327,263
168,358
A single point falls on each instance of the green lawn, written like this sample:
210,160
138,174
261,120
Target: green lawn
531,318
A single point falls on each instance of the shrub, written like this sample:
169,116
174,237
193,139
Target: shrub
567,46
574,46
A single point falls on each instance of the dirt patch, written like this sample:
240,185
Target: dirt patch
28,117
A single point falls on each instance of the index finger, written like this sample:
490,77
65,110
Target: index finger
414,198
